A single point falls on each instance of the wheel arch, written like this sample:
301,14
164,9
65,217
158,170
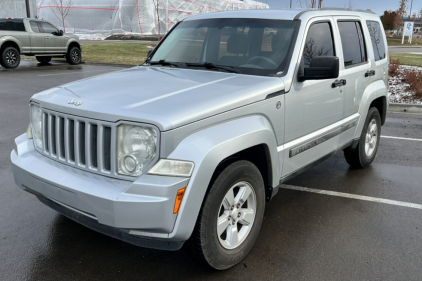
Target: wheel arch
9,42
73,43
214,148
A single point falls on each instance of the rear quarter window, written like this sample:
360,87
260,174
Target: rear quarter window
12,25
377,39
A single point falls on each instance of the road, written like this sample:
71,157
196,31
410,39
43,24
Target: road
311,231
409,50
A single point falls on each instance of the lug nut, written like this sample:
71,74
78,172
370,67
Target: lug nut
233,223
238,206
228,218
238,215
231,208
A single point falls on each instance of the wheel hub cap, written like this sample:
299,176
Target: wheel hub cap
236,215
11,57
371,138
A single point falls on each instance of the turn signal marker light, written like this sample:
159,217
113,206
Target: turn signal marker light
179,198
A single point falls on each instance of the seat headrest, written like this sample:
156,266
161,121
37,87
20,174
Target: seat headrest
237,44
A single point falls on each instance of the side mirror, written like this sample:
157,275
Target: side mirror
321,68
60,32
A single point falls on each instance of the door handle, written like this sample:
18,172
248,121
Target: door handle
339,83
370,73
47,37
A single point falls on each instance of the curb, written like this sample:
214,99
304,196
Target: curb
405,108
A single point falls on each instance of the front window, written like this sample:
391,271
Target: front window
248,46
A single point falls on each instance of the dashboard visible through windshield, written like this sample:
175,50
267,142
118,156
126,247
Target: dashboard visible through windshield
247,46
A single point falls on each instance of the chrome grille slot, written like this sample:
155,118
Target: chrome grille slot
71,138
80,142
94,143
82,159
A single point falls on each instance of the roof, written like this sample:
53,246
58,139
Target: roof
285,14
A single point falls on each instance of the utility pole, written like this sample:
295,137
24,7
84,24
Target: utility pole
290,4
411,4
28,12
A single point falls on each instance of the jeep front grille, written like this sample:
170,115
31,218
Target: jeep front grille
84,143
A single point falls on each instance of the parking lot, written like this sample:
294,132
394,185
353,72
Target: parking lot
329,223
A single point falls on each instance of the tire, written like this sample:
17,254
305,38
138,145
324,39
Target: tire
43,60
221,251
10,57
74,56
367,148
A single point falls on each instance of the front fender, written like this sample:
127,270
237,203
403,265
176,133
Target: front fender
72,40
373,91
207,148
9,38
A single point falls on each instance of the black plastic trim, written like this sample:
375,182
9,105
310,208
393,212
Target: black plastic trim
276,94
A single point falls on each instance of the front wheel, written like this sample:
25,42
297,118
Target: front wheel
43,60
231,217
74,56
10,57
367,148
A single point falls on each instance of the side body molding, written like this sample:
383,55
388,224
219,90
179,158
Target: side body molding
373,91
207,148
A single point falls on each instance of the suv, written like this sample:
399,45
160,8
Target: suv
189,146
33,37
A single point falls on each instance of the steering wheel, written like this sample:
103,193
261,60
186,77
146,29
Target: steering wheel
262,58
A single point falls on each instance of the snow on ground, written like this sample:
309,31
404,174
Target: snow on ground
399,91
92,36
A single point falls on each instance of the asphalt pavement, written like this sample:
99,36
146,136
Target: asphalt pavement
405,49
329,223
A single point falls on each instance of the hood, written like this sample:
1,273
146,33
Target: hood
163,96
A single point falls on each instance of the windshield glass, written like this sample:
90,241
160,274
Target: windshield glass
248,46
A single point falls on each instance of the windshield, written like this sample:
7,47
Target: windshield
248,46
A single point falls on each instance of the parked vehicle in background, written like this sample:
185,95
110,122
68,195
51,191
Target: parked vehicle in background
189,146
34,37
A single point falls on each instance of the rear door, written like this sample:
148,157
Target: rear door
54,43
355,68
37,38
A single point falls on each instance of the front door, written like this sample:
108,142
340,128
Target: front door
314,108
54,43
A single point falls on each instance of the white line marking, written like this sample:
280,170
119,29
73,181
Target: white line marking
399,138
352,196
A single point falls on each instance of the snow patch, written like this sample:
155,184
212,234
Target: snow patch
399,91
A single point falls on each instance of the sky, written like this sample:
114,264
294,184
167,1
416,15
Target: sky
378,6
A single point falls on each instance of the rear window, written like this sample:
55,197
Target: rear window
377,39
353,44
14,25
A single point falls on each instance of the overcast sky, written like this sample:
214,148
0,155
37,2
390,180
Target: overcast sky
378,6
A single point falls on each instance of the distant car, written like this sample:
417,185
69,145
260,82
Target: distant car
34,37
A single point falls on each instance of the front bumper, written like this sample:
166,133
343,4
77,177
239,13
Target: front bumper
130,211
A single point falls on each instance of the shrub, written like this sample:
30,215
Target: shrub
414,79
394,67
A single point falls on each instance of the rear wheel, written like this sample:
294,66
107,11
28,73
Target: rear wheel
367,148
10,57
43,60
74,56
231,217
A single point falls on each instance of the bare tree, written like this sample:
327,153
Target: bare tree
402,9
312,4
157,11
61,9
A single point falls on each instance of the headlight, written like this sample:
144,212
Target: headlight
136,148
166,167
36,122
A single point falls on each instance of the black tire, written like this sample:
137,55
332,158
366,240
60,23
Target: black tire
74,56
43,60
204,244
358,158
10,57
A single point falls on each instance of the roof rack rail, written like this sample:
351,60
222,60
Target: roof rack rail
348,9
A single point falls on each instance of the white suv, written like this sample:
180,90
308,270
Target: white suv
189,146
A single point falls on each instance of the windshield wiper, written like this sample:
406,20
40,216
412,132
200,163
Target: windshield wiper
210,65
165,63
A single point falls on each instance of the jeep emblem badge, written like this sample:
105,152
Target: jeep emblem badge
75,102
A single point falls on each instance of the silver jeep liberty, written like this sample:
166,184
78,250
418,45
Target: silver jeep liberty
188,148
